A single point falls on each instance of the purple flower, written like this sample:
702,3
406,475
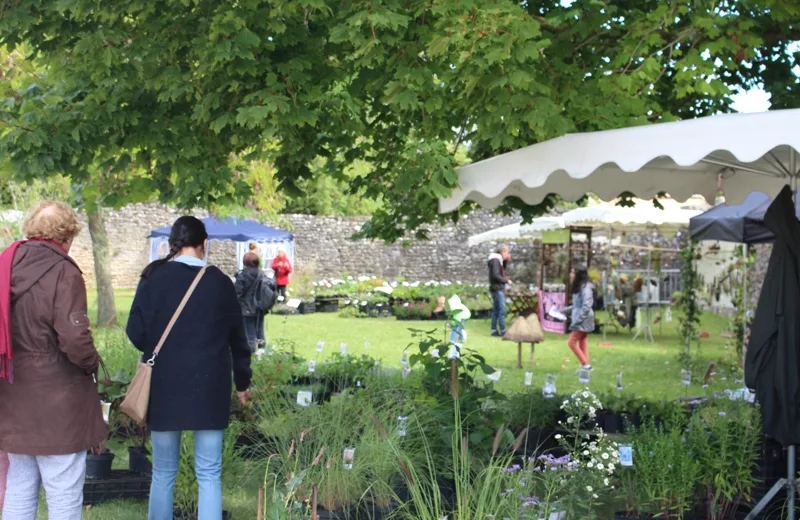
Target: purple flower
529,501
513,469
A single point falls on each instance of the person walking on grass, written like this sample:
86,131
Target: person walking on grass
497,286
248,285
283,268
50,412
191,380
582,314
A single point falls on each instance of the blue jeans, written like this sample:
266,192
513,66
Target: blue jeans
254,327
498,311
208,469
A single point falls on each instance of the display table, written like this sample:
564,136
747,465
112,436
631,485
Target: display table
521,303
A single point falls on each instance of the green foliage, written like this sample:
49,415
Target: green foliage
689,320
724,438
666,472
134,100
477,398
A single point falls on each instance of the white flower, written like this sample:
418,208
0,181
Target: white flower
585,394
605,482
559,436
605,456
600,466
589,489
586,452
590,465
569,420
594,496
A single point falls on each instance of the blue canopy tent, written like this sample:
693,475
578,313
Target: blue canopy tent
244,232
742,223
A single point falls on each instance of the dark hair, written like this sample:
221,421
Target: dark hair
186,232
581,278
251,260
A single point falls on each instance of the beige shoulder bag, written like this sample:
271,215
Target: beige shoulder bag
137,400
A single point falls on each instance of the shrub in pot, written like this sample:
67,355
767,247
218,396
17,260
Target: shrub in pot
666,470
724,436
98,464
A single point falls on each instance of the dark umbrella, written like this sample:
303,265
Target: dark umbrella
772,363
742,223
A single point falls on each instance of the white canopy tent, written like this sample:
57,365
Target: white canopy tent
753,152
607,221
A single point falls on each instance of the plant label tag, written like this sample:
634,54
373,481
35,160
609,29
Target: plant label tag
496,376
343,349
358,384
366,346
549,389
312,366
454,353
404,358
106,410
320,346
304,397
686,377
402,424
349,455
619,381
626,456
294,303
528,378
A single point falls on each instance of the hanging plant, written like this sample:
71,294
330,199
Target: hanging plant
689,322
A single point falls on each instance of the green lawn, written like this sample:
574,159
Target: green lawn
649,369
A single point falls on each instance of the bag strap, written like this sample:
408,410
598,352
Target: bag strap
176,315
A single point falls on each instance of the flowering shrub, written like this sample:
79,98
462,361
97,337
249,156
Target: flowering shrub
572,483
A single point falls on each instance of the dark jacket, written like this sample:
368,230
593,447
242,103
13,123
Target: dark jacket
191,387
52,408
247,290
497,273
772,361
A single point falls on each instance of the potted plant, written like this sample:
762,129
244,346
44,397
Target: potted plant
666,470
98,463
724,438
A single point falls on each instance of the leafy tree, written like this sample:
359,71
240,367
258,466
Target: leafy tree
173,89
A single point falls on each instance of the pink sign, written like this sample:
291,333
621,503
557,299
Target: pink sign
547,300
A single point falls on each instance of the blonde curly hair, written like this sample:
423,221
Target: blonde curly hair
52,220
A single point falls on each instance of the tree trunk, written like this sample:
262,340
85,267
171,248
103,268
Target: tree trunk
106,307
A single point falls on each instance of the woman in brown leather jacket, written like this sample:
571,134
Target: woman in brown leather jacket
50,412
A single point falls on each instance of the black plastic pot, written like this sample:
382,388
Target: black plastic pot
307,308
98,466
139,461
612,423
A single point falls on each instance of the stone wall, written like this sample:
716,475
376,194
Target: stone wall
322,244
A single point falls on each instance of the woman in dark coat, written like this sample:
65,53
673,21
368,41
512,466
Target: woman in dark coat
247,285
50,412
191,385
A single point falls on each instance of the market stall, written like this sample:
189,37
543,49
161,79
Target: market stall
268,240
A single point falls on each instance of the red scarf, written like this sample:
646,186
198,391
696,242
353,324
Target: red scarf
6,261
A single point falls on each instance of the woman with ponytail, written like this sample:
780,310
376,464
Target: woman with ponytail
191,382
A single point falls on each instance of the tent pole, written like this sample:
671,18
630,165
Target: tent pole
791,487
744,299
789,484
793,172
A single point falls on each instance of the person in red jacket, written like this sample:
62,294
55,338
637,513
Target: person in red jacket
283,269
